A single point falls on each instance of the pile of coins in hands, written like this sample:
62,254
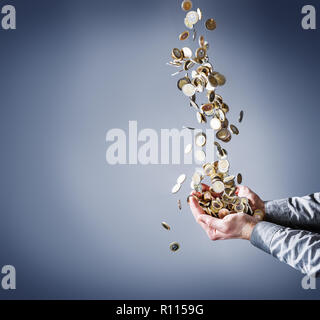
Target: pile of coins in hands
219,199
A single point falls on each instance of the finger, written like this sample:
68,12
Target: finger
212,222
195,208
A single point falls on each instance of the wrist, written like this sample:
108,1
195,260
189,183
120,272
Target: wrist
248,229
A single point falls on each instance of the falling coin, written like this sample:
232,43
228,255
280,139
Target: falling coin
184,35
200,139
165,225
234,129
186,5
210,24
174,246
199,13
215,123
181,179
239,178
189,90
240,116
187,52
188,148
176,188
192,17
179,204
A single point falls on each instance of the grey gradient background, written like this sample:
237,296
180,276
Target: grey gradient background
76,227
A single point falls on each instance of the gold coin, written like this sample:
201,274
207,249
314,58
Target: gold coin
165,225
188,65
208,109
223,166
212,80
186,5
181,82
239,178
201,53
234,129
225,107
210,24
221,80
184,35
174,246
177,54
211,96
201,41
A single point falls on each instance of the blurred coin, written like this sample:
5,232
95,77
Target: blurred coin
188,24
181,179
200,155
212,80
176,54
174,246
218,186
199,13
210,24
234,129
200,139
184,35
187,52
165,225
194,105
211,95
188,148
186,5
179,204
181,82
221,80
176,188
223,166
240,116
208,109
239,178
188,89
201,53
192,17
215,123
201,41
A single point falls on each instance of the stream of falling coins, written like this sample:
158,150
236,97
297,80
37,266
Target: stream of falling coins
203,78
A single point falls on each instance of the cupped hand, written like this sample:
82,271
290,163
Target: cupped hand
232,226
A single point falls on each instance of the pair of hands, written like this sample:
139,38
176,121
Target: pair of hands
232,226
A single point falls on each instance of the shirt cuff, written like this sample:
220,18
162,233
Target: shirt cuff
277,211
262,235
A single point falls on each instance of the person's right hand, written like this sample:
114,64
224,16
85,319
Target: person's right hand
254,199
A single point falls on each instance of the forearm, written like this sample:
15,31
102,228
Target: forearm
296,212
298,248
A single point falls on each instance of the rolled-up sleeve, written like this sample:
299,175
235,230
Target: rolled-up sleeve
298,248
296,212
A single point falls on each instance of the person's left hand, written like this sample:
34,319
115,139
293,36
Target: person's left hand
232,226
